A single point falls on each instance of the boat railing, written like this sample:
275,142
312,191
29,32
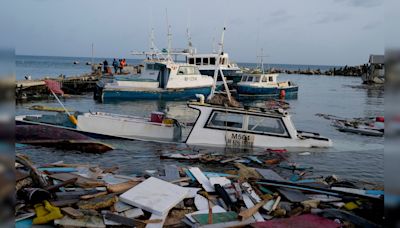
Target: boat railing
127,118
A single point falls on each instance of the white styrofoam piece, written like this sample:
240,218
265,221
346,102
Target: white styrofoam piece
202,179
201,202
247,201
219,180
215,209
157,225
154,195
192,192
132,213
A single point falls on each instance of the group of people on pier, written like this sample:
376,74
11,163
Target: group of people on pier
116,64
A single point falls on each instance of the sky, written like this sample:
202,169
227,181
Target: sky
312,32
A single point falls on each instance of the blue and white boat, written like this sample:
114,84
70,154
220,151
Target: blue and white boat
264,85
159,80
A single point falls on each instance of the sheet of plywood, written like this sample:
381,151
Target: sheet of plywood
155,196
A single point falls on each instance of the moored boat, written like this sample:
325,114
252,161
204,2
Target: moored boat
168,81
265,85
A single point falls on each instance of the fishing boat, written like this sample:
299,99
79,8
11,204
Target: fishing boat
108,125
216,126
207,64
223,126
166,80
265,85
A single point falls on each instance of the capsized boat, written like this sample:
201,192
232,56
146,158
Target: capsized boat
264,85
160,80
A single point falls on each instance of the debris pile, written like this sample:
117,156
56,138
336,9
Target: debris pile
80,195
364,126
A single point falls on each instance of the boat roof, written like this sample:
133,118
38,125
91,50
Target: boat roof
207,55
255,110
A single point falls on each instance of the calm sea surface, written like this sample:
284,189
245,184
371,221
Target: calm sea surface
352,156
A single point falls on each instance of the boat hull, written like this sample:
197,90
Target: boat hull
156,94
265,91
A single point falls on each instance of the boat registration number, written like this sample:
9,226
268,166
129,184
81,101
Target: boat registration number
239,139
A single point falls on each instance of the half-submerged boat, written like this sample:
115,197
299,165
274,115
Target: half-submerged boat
216,125
249,127
160,80
265,85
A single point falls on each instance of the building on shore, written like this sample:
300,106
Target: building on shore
374,71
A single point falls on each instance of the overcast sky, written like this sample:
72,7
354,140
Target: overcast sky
327,32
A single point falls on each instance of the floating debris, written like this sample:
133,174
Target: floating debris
84,195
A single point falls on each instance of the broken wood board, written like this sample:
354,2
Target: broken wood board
202,179
86,221
81,182
155,195
73,213
98,202
157,217
215,209
249,204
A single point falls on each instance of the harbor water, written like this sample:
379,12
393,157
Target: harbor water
352,156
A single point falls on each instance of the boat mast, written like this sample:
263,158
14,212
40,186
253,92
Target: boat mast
262,59
169,35
92,54
218,70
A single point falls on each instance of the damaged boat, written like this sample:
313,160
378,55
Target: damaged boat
216,125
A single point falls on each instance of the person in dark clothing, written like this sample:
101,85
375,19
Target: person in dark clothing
105,65
115,65
121,66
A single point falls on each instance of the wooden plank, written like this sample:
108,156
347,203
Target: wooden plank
81,182
73,213
155,195
249,204
202,179
157,217
269,174
86,221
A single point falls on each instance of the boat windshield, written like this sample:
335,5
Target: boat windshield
225,120
188,70
266,125
244,78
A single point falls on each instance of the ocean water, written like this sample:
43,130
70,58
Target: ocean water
43,66
352,156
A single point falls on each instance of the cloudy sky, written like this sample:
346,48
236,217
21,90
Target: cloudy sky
326,32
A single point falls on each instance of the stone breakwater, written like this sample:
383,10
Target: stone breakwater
353,71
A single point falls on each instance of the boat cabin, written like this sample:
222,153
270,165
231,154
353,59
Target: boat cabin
240,127
265,78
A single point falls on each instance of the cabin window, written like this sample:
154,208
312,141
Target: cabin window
205,61
266,125
244,78
198,61
257,79
226,120
191,60
265,79
212,61
271,79
188,70
150,66
250,78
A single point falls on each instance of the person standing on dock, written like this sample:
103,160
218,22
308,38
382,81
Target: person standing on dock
105,65
115,65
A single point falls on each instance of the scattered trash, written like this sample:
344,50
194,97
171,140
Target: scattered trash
83,195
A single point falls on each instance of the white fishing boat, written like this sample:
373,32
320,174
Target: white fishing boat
109,125
240,127
173,81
